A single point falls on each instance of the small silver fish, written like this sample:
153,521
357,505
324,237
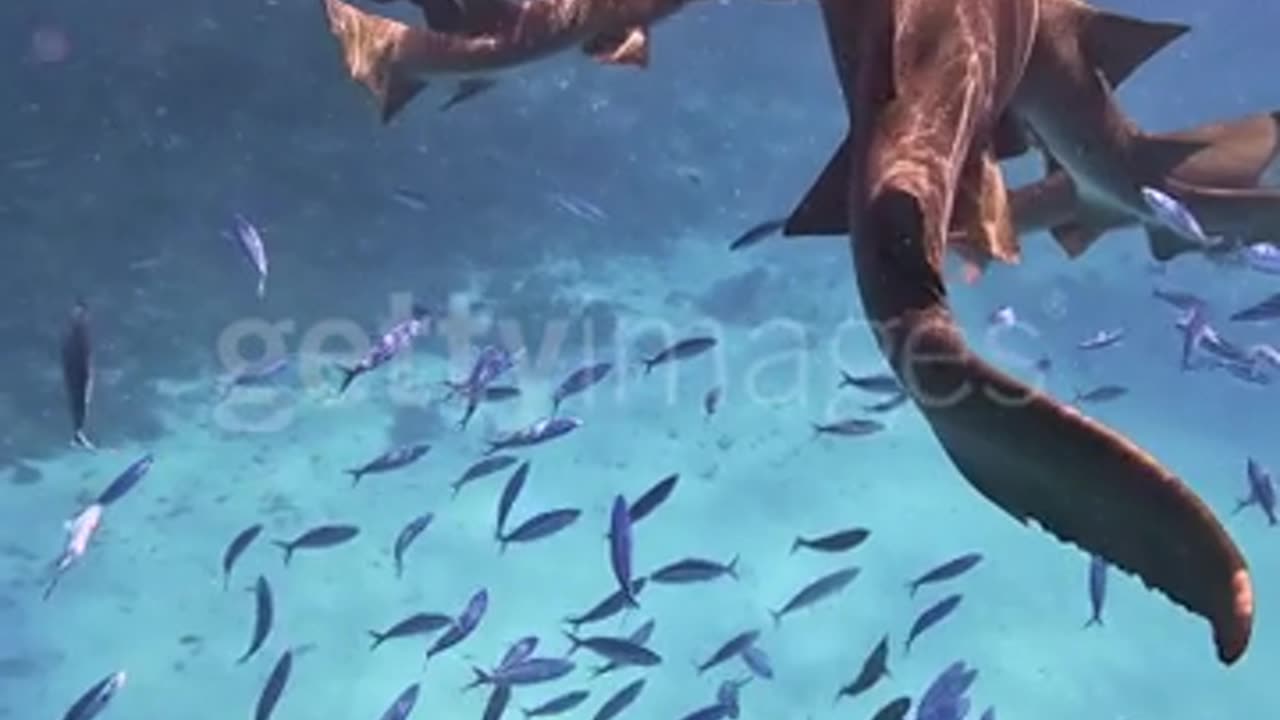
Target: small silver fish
249,240
1102,339
1174,215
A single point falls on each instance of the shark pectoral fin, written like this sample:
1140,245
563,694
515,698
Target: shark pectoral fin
824,210
1009,138
1074,237
395,93
368,49
1118,44
466,89
1166,244
981,209
628,47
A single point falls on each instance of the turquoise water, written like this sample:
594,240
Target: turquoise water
129,147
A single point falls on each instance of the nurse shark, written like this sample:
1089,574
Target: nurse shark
934,93
394,61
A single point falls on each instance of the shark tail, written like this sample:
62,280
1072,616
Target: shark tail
1119,44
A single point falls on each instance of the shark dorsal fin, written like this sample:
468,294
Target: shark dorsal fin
1118,44
825,207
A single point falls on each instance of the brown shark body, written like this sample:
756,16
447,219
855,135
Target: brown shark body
926,84
1234,169
393,60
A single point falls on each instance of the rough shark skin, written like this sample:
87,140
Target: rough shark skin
393,60
929,82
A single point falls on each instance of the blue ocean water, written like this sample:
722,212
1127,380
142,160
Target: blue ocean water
583,213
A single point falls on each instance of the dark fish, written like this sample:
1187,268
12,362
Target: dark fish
684,349
466,89
819,589
540,432
249,240
614,649
255,374
96,698
274,687
236,548
578,381
126,480
1262,491
391,343
510,492
835,542
895,709
497,704
732,648
874,668
499,393
952,568
988,714
1180,300
542,525
483,468
530,671
727,695
640,636
931,616
608,607
652,498
403,704
323,536
756,233
262,620
464,625
391,460
1097,589
408,534
77,372
757,661
711,401
416,624
620,701
1102,393
880,383
945,696
852,427
519,650
1102,339
620,547
559,705
1267,309
896,401
692,570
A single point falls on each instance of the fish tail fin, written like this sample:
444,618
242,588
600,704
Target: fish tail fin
456,488
1094,621
378,639
287,548
1241,505
777,617
349,375
53,584
912,587
732,567
356,476
796,545
81,440
574,642
824,210
479,677
262,287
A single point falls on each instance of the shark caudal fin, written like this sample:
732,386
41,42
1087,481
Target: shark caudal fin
824,210
1118,44
368,50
